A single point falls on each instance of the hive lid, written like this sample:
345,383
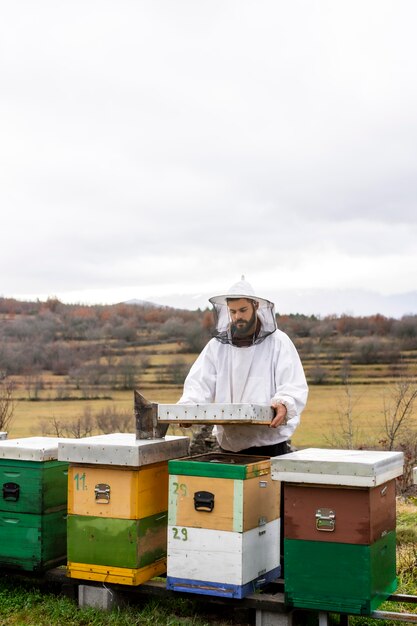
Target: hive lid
361,468
30,448
122,449
216,413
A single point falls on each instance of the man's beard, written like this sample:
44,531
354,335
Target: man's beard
246,329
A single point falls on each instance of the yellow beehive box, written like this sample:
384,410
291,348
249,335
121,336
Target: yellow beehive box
118,575
116,492
235,494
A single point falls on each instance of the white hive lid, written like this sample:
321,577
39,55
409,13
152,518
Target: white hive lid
122,449
361,468
216,413
30,448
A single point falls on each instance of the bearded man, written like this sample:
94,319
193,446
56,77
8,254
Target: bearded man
249,360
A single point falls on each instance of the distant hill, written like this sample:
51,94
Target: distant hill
141,303
320,302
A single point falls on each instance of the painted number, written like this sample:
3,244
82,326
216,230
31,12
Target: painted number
80,482
180,534
180,488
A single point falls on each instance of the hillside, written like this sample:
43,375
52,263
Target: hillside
116,346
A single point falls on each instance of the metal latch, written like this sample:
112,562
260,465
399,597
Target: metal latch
102,493
11,492
325,520
204,501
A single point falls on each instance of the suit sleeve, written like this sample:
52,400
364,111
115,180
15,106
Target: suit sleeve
290,384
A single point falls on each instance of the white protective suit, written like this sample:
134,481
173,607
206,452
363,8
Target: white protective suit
269,371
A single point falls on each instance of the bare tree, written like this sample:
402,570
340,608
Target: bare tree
399,410
7,404
78,428
345,433
111,420
54,428
81,427
33,384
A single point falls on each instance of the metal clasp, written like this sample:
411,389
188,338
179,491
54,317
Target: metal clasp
102,493
325,520
204,501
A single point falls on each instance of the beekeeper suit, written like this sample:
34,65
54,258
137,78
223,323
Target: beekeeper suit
249,361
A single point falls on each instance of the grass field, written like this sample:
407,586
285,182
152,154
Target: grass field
319,420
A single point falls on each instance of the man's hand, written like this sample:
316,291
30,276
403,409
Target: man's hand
280,417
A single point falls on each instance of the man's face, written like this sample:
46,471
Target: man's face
243,316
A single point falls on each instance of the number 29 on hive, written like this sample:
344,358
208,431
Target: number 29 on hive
180,533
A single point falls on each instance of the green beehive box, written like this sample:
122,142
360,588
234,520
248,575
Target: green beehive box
339,577
33,542
127,543
221,465
32,480
32,487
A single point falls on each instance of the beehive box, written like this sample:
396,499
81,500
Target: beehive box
33,542
130,543
224,526
357,515
125,493
33,503
118,502
118,575
32,486
222,563
222,492
339,527
339,577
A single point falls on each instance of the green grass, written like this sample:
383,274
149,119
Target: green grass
25,602
28,604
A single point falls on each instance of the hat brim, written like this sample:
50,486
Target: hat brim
237,296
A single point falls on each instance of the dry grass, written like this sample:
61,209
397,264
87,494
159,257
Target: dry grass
320,417
318,421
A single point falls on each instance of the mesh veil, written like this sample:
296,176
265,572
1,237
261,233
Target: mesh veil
223,326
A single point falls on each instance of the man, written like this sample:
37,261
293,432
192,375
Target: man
249,361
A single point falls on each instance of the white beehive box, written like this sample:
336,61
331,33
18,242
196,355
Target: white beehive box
122,449
221,562
356,468
215,413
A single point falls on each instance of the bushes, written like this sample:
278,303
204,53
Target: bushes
374,350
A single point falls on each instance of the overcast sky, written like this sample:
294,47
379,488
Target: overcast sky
150,148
